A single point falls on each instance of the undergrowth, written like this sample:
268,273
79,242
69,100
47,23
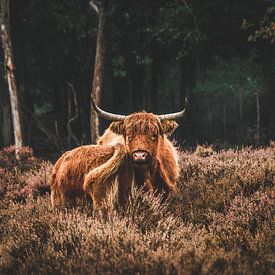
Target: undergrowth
218,222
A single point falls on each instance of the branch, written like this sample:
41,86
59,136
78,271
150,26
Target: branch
94,6
112,7
42,126
192,14
75,117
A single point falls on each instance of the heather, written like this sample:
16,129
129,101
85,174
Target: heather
220,220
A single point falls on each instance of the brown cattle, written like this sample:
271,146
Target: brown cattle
98,164
151,159
134,149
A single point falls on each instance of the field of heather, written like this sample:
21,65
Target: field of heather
220,221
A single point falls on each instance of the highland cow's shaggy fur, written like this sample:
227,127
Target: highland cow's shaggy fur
144,131
94,169
90,169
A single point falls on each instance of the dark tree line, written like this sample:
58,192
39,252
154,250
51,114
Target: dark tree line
218,53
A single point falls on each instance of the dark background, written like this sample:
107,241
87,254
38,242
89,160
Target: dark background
218,53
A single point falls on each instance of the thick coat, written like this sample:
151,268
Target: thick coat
100,164
133,151
144,132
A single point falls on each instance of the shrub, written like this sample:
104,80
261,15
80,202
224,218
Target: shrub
19,179
204,151
220,221
37,182
26,160
212,182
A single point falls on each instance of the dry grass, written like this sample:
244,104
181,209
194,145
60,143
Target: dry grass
219,221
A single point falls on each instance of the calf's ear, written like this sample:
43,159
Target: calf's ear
169,126
117,127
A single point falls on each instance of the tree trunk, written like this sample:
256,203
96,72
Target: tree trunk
6,137
186,78
271,110
224,122
98,72
71,118
155,71
14,100
271,95
241,130
209,117
269,71
258,122
135,75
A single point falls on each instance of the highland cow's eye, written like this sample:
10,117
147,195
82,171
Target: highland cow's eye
154,137
130,138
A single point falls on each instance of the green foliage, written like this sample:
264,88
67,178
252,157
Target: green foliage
225,78
263,26
232,84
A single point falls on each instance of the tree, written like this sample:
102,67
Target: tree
261,29
236,86
6,135
14,100
105,10
156,52
100,7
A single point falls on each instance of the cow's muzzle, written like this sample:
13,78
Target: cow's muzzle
141,157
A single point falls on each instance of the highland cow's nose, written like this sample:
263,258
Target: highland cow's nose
140,157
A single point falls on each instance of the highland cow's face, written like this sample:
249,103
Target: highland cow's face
142,133
142,138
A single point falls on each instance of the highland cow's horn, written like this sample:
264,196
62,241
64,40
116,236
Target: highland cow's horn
177,115
106,115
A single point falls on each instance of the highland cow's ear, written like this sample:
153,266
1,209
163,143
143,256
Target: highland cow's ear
169,126
117,127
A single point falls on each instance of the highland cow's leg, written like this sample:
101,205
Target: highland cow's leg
125,183
57,198
163,185
53,198
148,184
101,193
167,183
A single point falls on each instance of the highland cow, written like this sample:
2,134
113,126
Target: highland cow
151,158
134,150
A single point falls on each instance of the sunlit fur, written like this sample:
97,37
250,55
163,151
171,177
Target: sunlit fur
144,131
94,164
110,138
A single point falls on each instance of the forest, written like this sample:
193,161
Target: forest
217,216
218,54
